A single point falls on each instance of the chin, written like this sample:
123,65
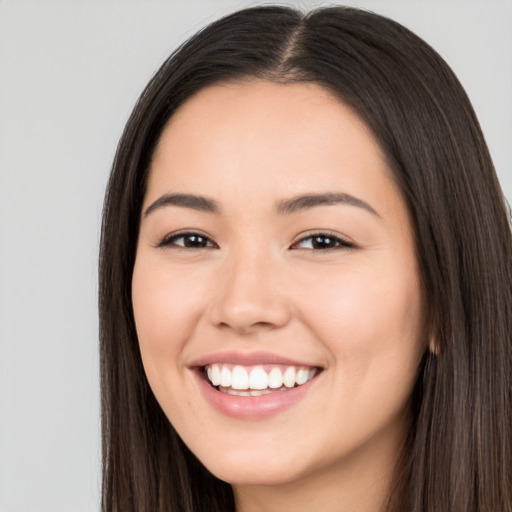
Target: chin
255,476
251,470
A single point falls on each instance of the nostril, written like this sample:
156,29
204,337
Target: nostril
250,318
247,327
248,305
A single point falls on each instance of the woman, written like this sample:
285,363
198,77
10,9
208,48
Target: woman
305,279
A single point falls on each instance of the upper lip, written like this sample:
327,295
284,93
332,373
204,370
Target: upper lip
248,359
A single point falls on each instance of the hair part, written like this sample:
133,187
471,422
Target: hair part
459,452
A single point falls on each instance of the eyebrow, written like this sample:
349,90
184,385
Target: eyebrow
199,203
311,200
289,206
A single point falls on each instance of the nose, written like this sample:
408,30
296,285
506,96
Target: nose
251,297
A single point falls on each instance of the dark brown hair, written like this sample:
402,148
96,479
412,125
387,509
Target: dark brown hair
458,456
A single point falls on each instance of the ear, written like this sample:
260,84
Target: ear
432,333
434,346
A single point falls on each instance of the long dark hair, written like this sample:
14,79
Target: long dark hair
458,456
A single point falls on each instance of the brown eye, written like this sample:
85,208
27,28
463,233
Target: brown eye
188,241
322,241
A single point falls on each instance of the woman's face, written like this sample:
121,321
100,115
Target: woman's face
276,291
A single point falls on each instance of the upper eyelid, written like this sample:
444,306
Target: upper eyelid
324,233
182,234
343,240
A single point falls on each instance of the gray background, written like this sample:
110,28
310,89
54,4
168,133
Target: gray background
70,72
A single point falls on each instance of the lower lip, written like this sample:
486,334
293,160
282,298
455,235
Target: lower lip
252,407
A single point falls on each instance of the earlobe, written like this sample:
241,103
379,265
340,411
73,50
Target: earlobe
433,346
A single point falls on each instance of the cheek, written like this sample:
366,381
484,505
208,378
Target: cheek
372,325
363,300
371,320
166,306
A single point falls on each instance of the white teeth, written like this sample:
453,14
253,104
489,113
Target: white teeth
242,381
237,392
239,378
258,378
261,392
301,377
225,377
289,377
215,378
275,378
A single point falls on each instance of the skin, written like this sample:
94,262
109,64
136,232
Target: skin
354,310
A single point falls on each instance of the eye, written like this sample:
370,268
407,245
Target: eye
188,240
322,241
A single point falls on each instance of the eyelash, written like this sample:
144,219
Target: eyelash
170,240
339,243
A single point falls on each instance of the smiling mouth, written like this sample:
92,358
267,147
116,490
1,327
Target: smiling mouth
257,380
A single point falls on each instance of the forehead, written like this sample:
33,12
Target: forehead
260,137
269,96
253,104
